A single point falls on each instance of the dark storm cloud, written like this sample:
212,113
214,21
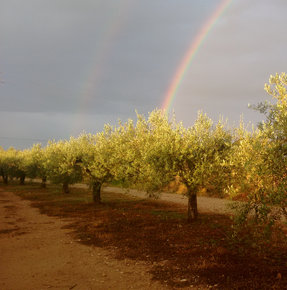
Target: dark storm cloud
51,47
75,65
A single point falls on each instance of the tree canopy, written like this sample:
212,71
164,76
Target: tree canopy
153,151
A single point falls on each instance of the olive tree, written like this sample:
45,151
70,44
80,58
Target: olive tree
3,166
94,160
13,165
243,159
272,151
61,163
130,148
203,159
35,162
103,156
196,154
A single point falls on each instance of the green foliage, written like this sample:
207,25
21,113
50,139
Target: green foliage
195,154
60,163
274,149
275,125
153,145
98,159
128,149
263,155
13,164
35,163
244,157
154,151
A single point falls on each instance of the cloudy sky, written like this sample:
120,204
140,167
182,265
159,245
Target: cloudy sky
68,66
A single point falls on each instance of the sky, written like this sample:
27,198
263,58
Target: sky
68,66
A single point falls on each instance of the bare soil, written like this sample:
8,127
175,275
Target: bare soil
37,252
127,242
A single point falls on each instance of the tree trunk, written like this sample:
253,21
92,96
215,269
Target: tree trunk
5,179
43,184
22,180
66,187
97,192
192,213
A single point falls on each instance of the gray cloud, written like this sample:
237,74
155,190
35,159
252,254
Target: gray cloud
76,65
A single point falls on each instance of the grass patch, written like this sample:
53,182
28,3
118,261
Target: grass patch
201,254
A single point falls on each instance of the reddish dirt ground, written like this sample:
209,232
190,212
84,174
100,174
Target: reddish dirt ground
37,253
126,243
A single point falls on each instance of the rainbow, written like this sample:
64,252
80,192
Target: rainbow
190,55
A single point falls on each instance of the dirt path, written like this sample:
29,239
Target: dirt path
205,204
37,253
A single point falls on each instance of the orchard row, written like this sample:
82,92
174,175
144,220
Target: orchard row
150,153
